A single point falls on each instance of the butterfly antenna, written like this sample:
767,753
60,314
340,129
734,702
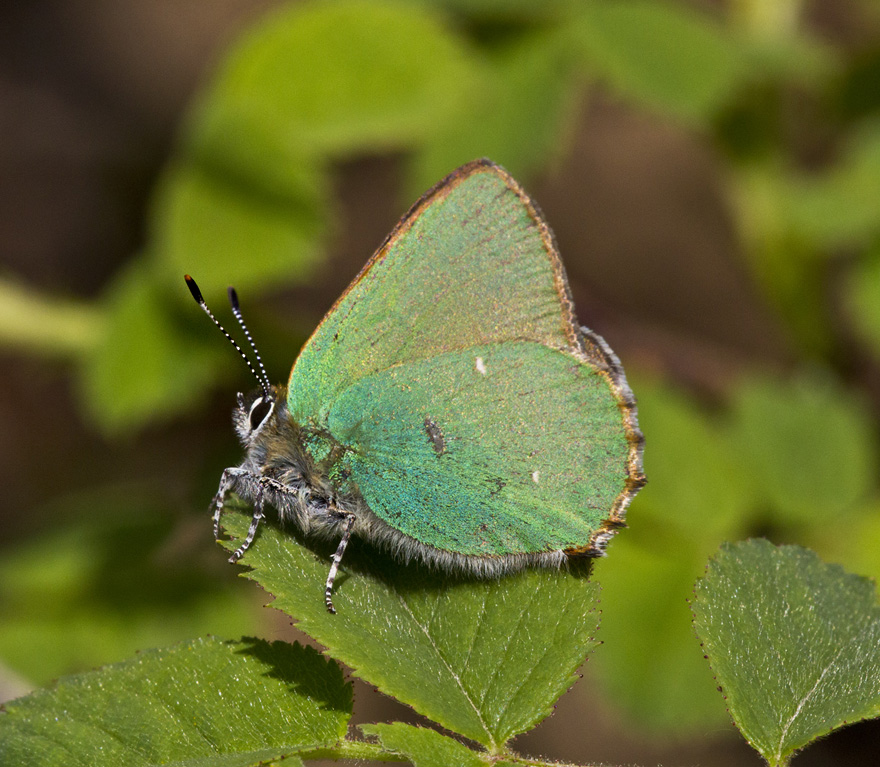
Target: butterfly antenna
197,295
236,310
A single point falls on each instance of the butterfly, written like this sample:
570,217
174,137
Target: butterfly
448,408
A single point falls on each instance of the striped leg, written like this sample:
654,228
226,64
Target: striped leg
226,483
337,558
252,531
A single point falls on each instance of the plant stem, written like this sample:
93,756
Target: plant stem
35,322
353,749
373,752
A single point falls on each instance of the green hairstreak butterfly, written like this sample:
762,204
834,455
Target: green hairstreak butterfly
448,408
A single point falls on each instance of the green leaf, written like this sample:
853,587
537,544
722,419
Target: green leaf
247,196
206,702
797,58
693,474
243,199
532,81
348,76
794,643
806,445
143,365
507,12
250,217
486,659
839,207
423,747
857,543
788,269
666,56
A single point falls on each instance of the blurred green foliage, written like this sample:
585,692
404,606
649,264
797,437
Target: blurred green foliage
97,591
790,456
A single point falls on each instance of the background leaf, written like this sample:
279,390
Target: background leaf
804,445
205,702
838,207
486,659
863,300
649,660
349,75
96,591
531,80
247,196
638,46
794,643
251,216
125,382
695,473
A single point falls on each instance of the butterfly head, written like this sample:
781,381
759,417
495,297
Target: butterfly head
253,412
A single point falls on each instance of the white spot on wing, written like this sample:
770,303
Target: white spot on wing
536,475
481,366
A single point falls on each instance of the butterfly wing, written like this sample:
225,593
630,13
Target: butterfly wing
477,417
483,451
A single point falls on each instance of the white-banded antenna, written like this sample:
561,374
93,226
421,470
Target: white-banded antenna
197,295
236,310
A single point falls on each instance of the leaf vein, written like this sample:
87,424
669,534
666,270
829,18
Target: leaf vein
449,668
506,653
831,664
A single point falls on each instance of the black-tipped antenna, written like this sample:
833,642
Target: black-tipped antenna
197,295
236,310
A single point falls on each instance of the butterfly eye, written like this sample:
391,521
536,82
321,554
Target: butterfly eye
259,412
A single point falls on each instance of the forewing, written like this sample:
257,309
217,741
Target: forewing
472,263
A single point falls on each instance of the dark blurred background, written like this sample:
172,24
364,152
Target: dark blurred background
712,174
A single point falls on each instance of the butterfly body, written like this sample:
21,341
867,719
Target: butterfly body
279,470
449,408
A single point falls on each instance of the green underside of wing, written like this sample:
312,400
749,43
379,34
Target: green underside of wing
502,449
471,269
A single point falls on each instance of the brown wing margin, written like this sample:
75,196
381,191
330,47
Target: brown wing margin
606,362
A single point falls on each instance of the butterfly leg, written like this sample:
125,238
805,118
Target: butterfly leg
252,530
227,481
253,487
337,558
